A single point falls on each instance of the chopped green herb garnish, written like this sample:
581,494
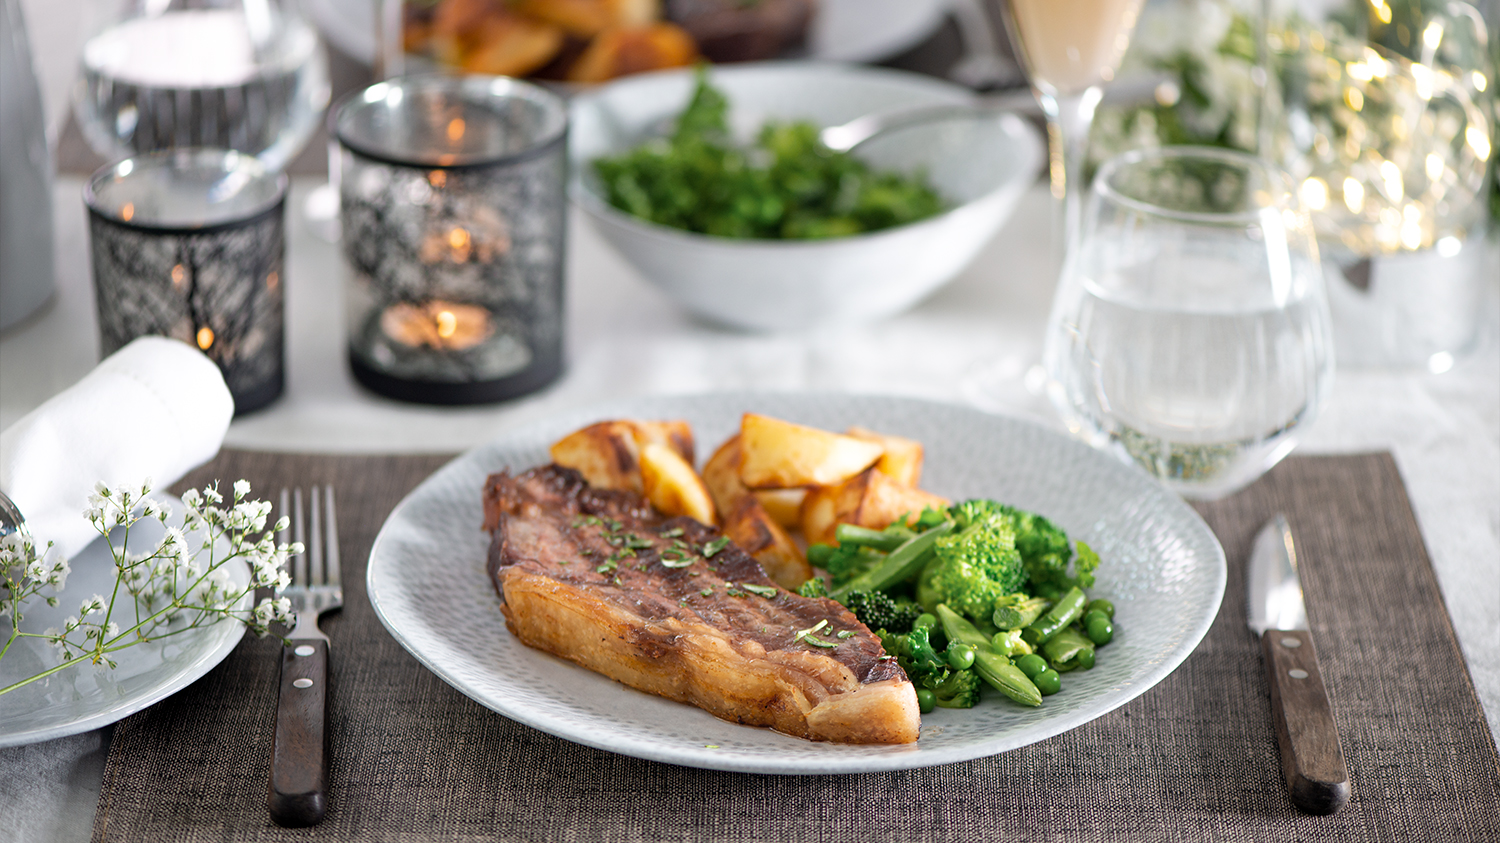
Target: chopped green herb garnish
715,546
847,633
609,565
707,592
677,562
672,533
762,590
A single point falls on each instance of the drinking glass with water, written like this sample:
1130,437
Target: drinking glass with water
1190,333
247,75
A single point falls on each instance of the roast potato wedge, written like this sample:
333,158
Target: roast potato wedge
607,453
748,526
869,499
511,45
779,454
721,474
902,460
634,49
783,505
672,486
587,18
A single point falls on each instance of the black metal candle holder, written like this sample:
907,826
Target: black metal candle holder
453,223
190,244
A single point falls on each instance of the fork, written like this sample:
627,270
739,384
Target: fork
299,769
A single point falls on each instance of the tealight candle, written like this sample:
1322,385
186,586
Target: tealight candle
453,219
437,324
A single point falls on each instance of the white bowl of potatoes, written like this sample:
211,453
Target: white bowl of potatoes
979,168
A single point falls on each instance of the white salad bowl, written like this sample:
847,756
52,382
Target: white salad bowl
981,166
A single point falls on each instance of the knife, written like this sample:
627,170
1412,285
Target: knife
1312,762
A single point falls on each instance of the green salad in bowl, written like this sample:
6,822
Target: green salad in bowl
785,185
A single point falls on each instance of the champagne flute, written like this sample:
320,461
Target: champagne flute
1070,48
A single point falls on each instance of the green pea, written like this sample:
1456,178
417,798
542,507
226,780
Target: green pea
1090,615
1101,630
1102,605
1031,664
925,619
926,700
1085,658
960,656
1048,682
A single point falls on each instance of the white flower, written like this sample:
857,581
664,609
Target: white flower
241,489
91,606
112,631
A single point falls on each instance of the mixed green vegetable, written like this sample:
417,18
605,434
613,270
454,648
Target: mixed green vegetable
788,185
979,593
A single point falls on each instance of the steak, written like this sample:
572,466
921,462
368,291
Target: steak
670,607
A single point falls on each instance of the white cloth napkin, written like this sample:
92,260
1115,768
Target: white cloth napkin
152,410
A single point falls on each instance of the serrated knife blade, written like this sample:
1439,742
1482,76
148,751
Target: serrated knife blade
1312,761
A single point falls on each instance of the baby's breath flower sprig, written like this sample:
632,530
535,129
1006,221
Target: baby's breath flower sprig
167,591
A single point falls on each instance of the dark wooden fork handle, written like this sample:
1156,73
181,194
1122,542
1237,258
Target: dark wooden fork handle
299,772
1312,762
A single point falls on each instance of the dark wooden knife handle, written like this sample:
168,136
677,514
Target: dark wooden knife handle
1312,762
299,772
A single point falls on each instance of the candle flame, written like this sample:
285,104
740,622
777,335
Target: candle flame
447,323
456,129
128,209
205,337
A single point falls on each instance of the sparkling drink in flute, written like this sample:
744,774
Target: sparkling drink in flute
1190,334
1070,49
246,76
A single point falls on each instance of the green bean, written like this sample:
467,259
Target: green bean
1066,610
886,540
991,666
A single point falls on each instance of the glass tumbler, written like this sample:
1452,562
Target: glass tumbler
454,224
248,75
1190,333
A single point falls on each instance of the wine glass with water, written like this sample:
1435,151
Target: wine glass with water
1190,331
248,75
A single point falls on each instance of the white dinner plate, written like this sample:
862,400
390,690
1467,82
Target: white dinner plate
1161,566
85,697
843,30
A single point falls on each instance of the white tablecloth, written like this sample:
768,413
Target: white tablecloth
973,342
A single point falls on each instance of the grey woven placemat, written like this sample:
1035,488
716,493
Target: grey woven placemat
1193,759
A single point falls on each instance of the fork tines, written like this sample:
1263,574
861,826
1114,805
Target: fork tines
318,564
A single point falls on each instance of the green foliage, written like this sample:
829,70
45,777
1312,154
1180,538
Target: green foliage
788,185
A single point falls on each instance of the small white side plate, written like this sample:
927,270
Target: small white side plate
85,697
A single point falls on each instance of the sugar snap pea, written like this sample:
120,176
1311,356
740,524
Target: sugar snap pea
1065,649
1067,609
991,666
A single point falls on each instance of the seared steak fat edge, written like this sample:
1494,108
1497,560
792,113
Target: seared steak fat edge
671,607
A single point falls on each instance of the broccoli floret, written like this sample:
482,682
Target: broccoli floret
959,690
1046,554
879,610
976,566
814,587
916,655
